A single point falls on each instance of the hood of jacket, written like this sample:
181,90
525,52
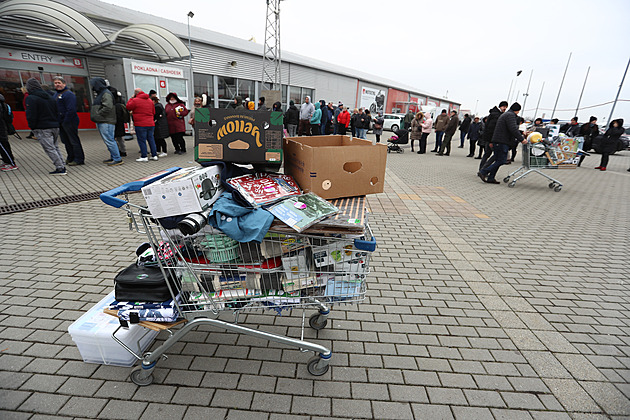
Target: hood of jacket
2,98
239,100
98,84
495,110
317,105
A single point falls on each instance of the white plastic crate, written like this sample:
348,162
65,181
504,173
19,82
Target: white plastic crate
92,333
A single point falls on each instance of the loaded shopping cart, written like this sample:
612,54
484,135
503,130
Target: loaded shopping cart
556,153
210,274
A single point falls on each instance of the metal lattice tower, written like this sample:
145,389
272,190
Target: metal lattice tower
271,52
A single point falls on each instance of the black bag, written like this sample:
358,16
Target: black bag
141,284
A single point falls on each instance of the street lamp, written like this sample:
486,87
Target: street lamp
192,79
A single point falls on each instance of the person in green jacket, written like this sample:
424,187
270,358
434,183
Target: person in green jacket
316,119
103,113
409,116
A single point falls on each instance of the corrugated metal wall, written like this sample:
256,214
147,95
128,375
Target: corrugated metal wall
96,66
334,88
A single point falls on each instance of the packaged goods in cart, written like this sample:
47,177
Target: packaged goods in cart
303,211
189,190
263,189
352,213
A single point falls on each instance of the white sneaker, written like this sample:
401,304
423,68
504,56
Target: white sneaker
153,158
142,159
162,154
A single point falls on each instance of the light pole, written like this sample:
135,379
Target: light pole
618,92
561,83
540,96
583,86
192,78
526,94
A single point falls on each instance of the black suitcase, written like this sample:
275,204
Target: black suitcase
142,284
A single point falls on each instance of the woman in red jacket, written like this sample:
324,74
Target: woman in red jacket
175,112
343,120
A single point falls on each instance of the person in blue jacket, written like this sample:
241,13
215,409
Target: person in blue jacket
316,119
68,122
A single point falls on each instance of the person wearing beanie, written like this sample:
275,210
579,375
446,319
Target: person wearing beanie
589,131
449,132
261,104
41,115
488,132
326,115
292,119
336,113
505,134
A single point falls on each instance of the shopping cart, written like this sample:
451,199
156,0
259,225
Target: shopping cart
209,274
558,154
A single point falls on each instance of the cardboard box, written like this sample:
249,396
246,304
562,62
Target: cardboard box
189,190
238,136
336,166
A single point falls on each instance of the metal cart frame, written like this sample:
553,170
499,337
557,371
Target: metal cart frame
208,306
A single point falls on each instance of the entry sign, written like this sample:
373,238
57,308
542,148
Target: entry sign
163,84
239,136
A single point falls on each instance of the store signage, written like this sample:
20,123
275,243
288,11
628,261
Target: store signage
40,58
156,70
162,84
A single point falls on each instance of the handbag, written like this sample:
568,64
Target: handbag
143,284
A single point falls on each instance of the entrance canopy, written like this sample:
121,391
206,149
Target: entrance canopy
82,31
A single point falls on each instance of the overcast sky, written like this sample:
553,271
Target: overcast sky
470,49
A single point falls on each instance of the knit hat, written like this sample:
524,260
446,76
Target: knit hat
33,84
503,103
515,107
593,118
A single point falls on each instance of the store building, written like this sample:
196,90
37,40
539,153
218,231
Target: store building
81,39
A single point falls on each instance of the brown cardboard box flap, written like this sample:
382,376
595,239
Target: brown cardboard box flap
336,166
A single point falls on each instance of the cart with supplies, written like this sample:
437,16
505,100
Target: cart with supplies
540,154
209,274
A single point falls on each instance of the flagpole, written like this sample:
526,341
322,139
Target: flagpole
583,86
618,92
540,96
561,83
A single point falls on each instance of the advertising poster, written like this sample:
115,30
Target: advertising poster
372,99
239,136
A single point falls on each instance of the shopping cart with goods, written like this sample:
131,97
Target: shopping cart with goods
554,153
210,275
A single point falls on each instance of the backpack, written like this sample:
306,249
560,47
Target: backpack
7,116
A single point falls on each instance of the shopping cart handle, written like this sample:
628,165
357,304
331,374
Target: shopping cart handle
363,245
109,197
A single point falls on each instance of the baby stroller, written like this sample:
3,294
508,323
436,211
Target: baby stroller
394,142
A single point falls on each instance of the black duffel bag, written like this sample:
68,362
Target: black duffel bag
142,284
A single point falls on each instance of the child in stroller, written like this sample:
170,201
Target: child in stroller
394,142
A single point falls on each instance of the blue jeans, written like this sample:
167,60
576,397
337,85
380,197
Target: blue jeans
500,157
438,139
145,134
362,133
107,133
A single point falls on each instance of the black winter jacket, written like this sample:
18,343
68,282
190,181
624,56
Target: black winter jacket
588,132
465,125
122,117
473,131
611,137
451,125
491,123
41,110
506,130
292,116
161,123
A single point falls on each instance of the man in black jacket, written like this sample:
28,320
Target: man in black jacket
505,134
292,119
463,130
41,115
488,130
589,131
449,132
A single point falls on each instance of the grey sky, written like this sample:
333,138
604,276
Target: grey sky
472,49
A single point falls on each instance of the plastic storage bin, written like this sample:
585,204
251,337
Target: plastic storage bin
92,333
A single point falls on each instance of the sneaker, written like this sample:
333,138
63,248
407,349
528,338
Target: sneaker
153,158
7,168
163,154
142,159
116,163
73,163
603,168
598,167
177,152
108,160
59,172
123,154
4,165
492,181
482,176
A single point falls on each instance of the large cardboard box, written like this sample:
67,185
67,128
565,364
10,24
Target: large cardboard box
189,190
336,166
238,136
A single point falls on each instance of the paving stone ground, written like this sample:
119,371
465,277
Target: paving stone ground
484,302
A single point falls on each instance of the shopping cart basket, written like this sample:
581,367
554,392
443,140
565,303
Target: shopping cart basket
543,155
208,274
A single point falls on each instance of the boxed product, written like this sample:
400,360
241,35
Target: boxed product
336,166
238,136
92,333
335,252
189,190
295,267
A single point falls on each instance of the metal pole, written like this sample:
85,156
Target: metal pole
561,83
583,86
192,79
510,91
540,96
526,94
618,92
476,103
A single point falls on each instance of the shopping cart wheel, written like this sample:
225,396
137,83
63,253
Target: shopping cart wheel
506,179
558,188
512,184
139,379
401,150
313,367
552,184
315,322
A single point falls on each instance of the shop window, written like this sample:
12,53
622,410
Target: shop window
10,87
204,83
226,91
295,95
307,92
178,86
285,102
144,82
246,89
